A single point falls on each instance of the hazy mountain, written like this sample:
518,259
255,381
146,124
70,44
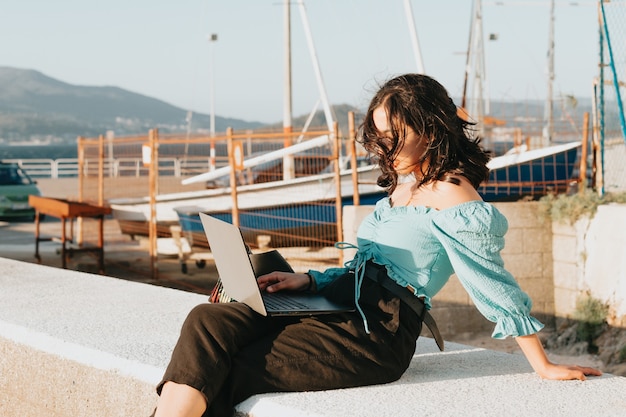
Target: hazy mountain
34,106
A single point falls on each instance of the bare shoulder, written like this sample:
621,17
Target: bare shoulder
447,194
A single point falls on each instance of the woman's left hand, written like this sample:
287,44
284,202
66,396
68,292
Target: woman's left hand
533,350
279,281
564,372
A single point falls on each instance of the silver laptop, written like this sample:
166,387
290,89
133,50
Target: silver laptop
237,274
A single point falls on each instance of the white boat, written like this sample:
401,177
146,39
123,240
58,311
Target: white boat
512,176
299,190
531,173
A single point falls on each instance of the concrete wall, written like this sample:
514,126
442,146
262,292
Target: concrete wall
83,345
590,258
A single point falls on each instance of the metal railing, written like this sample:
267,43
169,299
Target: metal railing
118,167
48,168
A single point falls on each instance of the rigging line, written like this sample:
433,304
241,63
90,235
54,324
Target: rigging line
316,67
618,95
408,11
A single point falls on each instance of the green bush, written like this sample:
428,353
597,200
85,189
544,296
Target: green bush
570,208
591,310
591,314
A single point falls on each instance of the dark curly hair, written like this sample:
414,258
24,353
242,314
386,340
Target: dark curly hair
418,102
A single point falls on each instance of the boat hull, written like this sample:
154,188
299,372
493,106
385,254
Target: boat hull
532,174
310,224
283,201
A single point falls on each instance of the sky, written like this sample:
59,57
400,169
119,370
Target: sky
161,48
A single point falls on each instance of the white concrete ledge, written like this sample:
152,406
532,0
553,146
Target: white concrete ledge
76,344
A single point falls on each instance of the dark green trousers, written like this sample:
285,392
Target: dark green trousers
229,352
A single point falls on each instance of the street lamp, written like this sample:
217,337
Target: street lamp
212,39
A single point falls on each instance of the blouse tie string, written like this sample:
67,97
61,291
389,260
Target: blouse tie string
357,264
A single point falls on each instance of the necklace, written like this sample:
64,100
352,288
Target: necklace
404,194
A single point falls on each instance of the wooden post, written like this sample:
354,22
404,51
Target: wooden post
81,183
63,242
153,178
338,205
81,166
212,154
583,156
233,175
100,170
356,199
595,139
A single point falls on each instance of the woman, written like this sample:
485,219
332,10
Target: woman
433,224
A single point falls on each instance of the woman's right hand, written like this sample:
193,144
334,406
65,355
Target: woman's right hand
280,281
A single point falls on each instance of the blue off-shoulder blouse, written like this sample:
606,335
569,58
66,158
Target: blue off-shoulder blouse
422,247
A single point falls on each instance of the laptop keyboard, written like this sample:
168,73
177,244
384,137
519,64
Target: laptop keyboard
279,301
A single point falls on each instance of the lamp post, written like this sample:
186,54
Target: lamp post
212,39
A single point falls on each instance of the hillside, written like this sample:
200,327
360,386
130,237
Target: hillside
35,107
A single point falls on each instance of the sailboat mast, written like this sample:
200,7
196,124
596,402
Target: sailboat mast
475,69
316,67
288,162
287,106
414,41
468,58
548,130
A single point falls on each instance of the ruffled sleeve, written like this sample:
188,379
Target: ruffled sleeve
472,235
